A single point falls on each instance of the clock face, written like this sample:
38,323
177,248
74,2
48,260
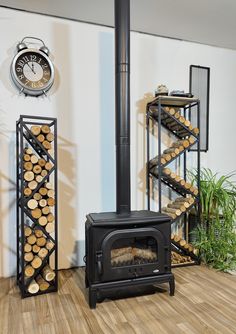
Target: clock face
32,72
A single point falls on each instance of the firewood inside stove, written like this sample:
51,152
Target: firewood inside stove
132,255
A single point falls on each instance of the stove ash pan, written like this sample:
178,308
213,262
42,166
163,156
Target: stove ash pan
124,250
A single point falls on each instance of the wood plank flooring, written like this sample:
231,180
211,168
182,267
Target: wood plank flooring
205,302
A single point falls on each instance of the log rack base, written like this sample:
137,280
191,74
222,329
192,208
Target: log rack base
25,294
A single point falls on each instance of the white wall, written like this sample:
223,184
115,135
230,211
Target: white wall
82,99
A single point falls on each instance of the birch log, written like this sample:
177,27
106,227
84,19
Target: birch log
43,285
37,196
48,274
35,130
49,245
46,210
41,138
33,287
26,157
27,248
45,129
47,145
28,165
35,249
41,242
28,176
43,253
177,212
31,239
42,162
29,271
34,159
37,169
37,262
50,137
36,213
38,233
28,257
28,150
32,204
32,185
27,192
27,231
50,227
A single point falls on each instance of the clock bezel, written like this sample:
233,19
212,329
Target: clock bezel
29,90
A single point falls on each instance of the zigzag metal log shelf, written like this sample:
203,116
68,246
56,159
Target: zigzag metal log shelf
36,198
174,115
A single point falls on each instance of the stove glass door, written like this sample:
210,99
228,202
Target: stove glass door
134,251
128,253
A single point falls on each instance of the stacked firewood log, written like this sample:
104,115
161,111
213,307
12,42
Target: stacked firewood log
41,207
175,113
189,248
44,135
188,253
36,248
175,149
178,206
132,255
180,181
177,258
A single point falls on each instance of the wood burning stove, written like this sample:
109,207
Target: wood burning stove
125,248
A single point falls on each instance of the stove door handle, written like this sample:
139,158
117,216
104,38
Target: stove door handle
99,263
100,268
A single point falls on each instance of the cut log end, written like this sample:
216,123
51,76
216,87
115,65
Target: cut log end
48,274
33,287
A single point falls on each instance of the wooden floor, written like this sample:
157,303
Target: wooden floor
205,302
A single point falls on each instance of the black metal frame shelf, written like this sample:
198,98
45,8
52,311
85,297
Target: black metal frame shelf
185,251
167,119
155,111
174,185
25,139
182,251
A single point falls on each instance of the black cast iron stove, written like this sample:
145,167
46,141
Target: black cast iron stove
125,248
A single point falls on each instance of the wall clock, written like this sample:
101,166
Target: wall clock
32,70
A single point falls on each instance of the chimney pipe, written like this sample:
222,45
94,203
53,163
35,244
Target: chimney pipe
122,103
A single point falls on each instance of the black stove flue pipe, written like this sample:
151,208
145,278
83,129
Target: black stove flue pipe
122,104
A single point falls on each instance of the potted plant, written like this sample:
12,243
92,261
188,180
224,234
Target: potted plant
215,237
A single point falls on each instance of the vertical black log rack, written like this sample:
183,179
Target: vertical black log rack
37,218
173,114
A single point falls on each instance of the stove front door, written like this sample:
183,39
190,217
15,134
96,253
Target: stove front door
132,253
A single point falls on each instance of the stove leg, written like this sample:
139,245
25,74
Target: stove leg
172,286
92,298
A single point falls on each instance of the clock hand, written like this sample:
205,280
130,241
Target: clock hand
31,68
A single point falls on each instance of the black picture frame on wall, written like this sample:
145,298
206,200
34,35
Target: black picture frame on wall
199,86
